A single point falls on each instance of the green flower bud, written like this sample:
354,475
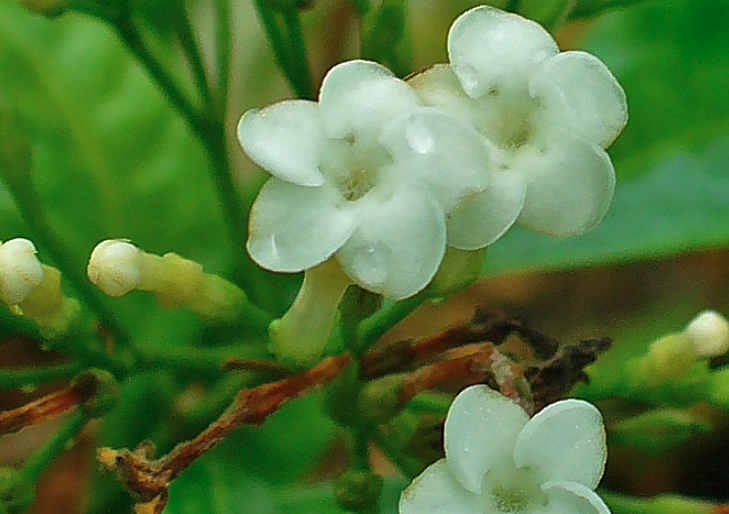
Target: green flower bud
458,270
358,490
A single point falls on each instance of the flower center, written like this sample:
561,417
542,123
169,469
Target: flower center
509,500
512,491
354,166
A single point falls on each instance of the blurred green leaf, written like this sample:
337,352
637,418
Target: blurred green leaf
657,430
673,186
112,159
212,486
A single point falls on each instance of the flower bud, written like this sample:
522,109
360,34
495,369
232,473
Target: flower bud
709,333
114,267
20,271
358,490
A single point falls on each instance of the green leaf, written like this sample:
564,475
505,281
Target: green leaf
673,189
657,430
212,486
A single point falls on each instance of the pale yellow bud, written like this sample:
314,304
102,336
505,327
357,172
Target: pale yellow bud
20,271
709,333
114,267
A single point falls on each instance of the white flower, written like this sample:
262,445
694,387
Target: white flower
366,175
547,117
20,270
500,461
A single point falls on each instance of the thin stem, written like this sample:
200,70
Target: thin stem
222,47
361,6
134,42
409,466
14,378
287,52
32,469
581,13
297,48
189,42
374,327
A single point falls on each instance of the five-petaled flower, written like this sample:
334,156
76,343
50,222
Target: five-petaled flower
546,116
500,461
367,174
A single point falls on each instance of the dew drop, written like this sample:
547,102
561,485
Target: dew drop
419,137
369,263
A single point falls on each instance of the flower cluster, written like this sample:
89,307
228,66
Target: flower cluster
381,175
500,461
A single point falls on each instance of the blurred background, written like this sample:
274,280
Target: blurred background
114,161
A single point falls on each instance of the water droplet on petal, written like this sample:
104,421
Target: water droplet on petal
419,137
369,264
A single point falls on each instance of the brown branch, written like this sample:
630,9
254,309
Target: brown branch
46,407
471,364
484,326
150,479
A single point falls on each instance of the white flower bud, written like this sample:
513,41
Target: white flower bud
20,270
709,333
114,267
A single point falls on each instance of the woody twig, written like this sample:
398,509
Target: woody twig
149,479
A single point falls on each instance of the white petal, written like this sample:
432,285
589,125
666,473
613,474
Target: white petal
284,139
20,270
443,150
438,86
398,245
572,498
569,186
564,442
481,219
480,433
358,97
295,227
436,491
489,48
580,94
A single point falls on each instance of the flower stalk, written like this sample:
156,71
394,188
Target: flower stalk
300,336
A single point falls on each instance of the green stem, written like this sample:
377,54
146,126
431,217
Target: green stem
198,362
136,45
361,6
32,469
14,378
582,13
222,47
409,466
374,327
297,48
89,353
287,52
188,40
663,504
